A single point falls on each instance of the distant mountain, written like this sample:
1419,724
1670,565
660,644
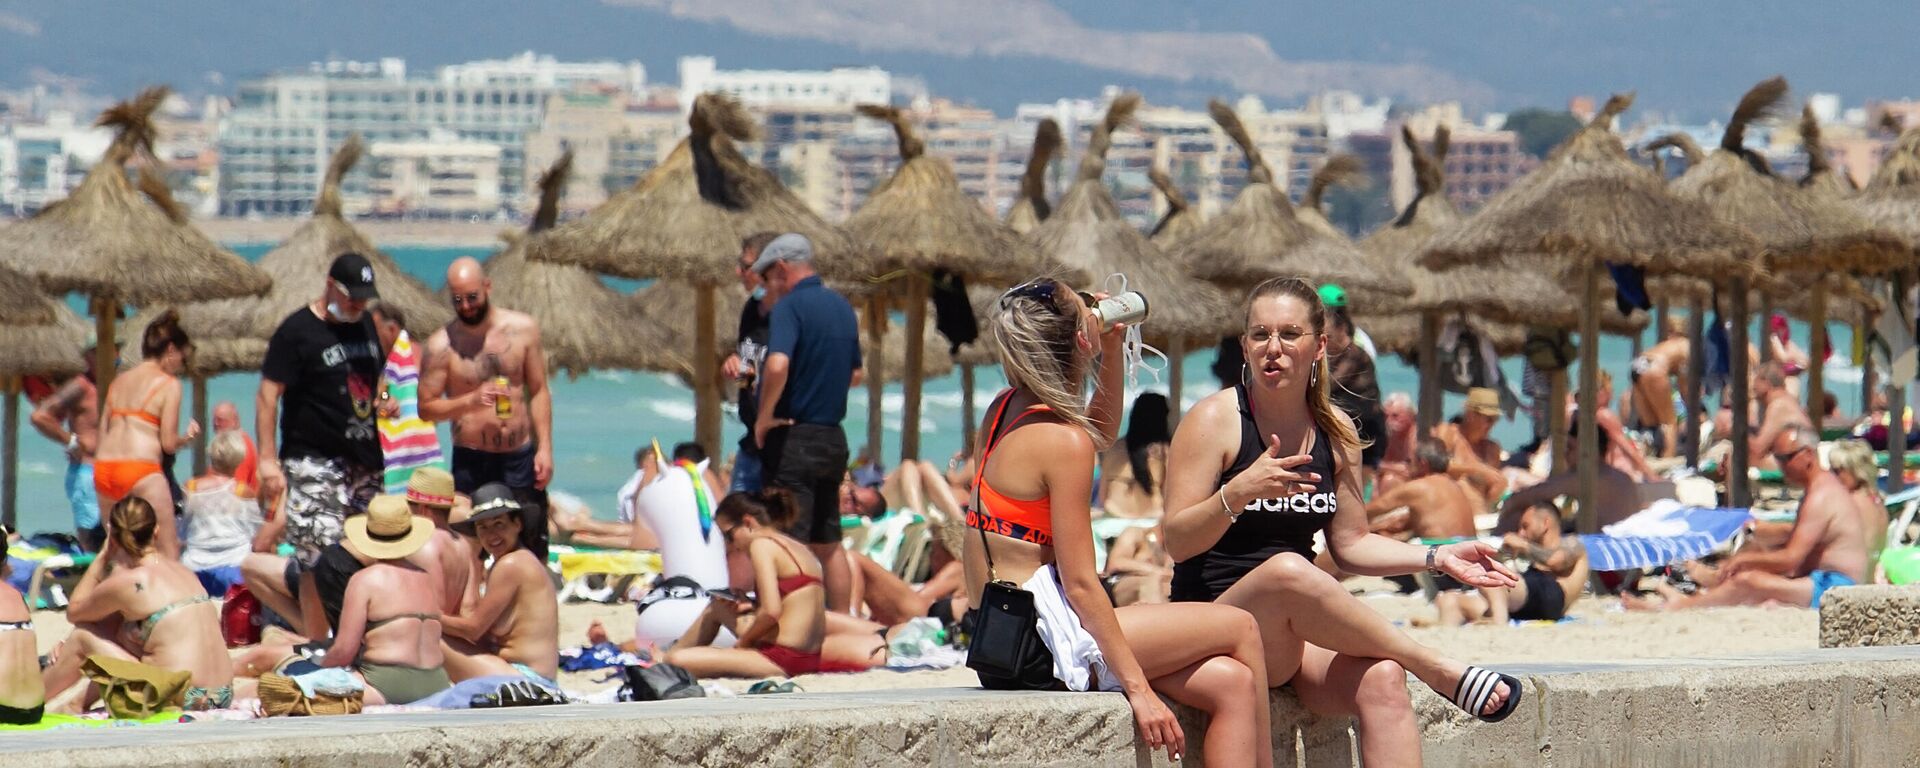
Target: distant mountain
1687,58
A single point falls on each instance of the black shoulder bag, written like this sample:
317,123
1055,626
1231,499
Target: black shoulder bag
1006,636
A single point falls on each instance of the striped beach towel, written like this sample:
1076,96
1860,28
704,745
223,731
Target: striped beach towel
1666,535
406,441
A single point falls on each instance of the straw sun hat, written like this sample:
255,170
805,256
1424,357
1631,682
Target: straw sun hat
388,531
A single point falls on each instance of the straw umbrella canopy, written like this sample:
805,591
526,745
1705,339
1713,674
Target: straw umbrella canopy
575,310
667,311
1179,221
1805,236
918,222
109,242
1087,232
1341,170
53,348
1259,236
1032,207
21,301
685,220
1821,178
1590,203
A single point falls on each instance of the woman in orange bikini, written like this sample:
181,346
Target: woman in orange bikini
786,631
1033,485
142,424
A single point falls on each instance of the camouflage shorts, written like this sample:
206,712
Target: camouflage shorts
321,493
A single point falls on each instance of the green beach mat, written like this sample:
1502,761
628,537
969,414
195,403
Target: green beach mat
1902,564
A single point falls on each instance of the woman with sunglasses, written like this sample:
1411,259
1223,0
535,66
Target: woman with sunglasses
1034,481
142,425
1254,473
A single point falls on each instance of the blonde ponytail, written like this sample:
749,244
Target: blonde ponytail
1038,345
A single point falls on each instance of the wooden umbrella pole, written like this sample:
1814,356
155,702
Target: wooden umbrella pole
1589,398
916,357
1176,370
1766,316
105,350
1429,373
966,408
1860,332
1691,385
1737,351
876,374
1661,310
1817,355
1897,402
10,459
706,376
200,415
1557,418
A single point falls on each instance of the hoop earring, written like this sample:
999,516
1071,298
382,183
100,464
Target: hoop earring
1246,375
1313,377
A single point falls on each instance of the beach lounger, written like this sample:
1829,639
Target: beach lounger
1908,502
576,564
1664,535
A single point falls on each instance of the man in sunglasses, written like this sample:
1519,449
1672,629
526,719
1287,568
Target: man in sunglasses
487,373
1825,549
314,421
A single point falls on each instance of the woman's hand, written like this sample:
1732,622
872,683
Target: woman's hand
1157,724
1475,564
1272,475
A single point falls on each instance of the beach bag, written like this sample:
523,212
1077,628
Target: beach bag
238,617
659,681
135,691
281,696
1005,626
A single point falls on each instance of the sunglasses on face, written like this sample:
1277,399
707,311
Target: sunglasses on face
1044,291
467,299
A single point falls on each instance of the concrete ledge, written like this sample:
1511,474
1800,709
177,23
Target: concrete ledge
1870,615
1851,707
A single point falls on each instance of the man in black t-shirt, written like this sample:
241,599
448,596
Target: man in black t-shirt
315,410
743,365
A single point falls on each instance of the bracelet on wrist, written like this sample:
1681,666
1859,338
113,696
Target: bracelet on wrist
1433,550
1233,516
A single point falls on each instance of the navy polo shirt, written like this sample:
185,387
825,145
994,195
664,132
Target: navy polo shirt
815,328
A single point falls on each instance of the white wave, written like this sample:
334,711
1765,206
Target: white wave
41,468
672,410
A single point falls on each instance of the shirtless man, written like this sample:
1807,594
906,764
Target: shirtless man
226,418
1779,409
1403,429
1825,549
1555,575
459,382
71,417
430,495
1656,375
1476,457
1432,506
515,627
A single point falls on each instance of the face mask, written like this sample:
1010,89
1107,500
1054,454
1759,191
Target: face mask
338,315
759,292
1134,350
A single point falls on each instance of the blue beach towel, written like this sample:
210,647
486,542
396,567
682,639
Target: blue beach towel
1701,530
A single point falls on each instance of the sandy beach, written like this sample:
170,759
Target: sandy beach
1600,631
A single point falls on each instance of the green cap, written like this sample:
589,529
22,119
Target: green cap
1333,296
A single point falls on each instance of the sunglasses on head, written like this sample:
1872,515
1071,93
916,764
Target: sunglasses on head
1043,290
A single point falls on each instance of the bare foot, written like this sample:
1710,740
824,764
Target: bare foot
1633,602
596,633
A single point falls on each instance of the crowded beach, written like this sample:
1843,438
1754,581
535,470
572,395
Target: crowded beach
1293,526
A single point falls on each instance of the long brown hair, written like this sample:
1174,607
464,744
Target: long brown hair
133,524
1036,340
1331,420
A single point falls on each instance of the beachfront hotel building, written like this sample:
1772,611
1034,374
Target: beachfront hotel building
442,177
275,145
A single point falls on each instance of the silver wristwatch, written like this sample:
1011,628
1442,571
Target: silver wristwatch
1433,550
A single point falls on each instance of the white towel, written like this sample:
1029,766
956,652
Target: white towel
1077,661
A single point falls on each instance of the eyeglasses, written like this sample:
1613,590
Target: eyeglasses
1042,290
461,300
1783,458
1289,337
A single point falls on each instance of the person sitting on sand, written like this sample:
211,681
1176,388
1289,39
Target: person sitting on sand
1403,430
1616,496
1138,570
1476,457
221,516
1433,505
1852,462
430,497
786,631
514,628
22,694
1825,549
1652,386
389,633
1780,410
1555,575
1255,472
634,529
1134,470
138,604
1622,452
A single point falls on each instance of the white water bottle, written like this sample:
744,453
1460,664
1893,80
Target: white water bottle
1128,307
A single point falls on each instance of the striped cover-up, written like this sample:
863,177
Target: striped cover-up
1701,531
405,440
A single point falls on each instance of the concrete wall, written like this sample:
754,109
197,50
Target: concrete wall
1838,708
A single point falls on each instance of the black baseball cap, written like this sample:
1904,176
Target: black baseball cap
354,273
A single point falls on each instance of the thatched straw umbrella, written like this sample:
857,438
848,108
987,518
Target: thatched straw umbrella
668,310
1590,203
1891,200
1259,236
1805,236
1087,232
1393,249
22,302
1341,170
53,348
1032,207
919,221
1180,220
685,220
575,310
1821,178
109,242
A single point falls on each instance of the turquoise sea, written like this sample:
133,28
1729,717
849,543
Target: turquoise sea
601,418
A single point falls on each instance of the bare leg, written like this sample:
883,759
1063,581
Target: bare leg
724,662
1452,613
266,577
1746,588
71,654
260,660
853,650
889,598
839,576
154,489
1296,603
1495,602
1373,690
465,661
1210,658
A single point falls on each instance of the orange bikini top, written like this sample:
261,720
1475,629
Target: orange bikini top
1024,519
140,413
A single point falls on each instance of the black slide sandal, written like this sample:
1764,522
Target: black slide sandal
1478,685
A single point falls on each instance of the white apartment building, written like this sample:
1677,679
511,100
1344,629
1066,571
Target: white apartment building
841,87
42,163
545,72
440,177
